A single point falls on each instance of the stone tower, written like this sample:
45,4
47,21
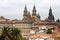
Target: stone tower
51,16
38,16
34,15
25,15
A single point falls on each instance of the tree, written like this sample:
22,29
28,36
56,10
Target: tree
16,33
49,31
11,34
5,33
25,38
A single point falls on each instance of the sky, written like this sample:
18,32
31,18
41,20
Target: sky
13,9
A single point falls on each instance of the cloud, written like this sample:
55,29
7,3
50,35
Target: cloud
14,8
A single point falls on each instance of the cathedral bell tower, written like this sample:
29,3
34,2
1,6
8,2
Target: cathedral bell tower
34,15
51,16
38,16
25,13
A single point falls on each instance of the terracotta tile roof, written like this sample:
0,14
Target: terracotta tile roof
14,19
5,20
45,23
56,31
41,35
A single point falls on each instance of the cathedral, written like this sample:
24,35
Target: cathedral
35,16
27,16
30,23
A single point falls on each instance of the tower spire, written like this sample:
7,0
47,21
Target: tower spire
50,11
38,16
34,7
51,16
34,15
25,11
34,11
25,8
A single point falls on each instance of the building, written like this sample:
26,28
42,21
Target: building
41,37
30,23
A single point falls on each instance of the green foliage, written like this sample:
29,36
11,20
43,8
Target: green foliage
49,31
11,34
25,38
16,33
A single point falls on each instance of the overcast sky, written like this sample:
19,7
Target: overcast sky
13,9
